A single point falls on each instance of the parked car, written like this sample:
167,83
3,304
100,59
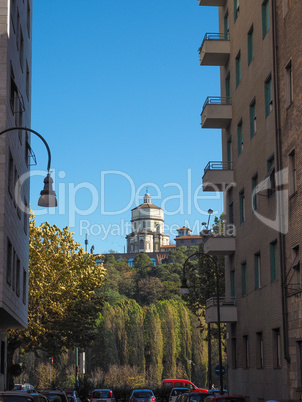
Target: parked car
177,391
22,387
56,395
22,396
72,395
225,398
102,395
179,383
198,396
216,391
185,397
142,395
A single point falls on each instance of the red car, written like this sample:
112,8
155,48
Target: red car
178,383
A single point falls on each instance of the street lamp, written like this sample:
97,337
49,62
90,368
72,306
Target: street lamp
185,290
48,196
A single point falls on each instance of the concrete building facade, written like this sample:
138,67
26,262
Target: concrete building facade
15,110
259,51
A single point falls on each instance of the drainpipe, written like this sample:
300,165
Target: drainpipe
278,169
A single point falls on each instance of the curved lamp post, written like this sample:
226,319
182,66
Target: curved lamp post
185,290
48,196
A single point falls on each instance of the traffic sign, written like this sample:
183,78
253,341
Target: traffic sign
217,371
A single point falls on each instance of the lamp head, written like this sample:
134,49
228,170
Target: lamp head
210,211
184,290
48,196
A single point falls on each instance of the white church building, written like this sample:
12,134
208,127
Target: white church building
147,234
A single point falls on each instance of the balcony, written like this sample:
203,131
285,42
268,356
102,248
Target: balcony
219,245
217,176
216,112
215,49
228,310
218,3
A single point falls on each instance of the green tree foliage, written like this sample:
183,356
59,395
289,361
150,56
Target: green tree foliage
142,261
153,345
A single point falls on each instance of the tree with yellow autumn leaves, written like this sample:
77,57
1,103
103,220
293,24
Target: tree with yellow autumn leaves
63,304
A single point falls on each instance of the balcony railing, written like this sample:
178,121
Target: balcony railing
215,49
218,165
218,3
228,309
218,176
216,112
217,100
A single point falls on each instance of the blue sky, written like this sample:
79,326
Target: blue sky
117,92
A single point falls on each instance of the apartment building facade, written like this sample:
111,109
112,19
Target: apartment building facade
260,57
15,111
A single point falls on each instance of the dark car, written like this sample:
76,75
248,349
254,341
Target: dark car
185,397
72,395
198,396
55,395
226,398
22,396
142,395
177,391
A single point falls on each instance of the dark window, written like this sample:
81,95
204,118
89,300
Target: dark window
9,261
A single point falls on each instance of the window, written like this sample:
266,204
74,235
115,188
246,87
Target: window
268,96
18,273
271,176
253,118
250,44
18,29
24,298
243,279
231,213
9,261
246,351
254,192
13,14
265,18
144,224
229,153
13,93
25,216
141,244
274,260
10,183
257,270
276,348
299,363
242,206
236,9
226,23
240,137
27,80
14,270
2,358
234,353
131,262
21,52
260,355
238,69
295,281
228,87
289,84
232,281
28,18
292,173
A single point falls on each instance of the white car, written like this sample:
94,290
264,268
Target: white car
102,395
177,391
